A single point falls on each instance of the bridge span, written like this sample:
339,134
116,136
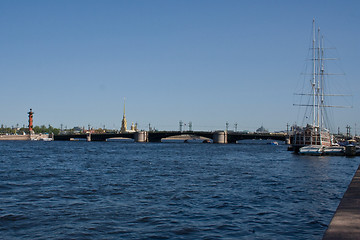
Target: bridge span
157,136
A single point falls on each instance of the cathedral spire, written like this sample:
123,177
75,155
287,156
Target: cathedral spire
123,122
124,107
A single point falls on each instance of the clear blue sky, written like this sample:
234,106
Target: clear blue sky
208,62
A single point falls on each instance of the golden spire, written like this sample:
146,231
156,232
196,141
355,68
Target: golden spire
123,122
124,107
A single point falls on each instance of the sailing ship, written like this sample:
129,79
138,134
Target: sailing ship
315,138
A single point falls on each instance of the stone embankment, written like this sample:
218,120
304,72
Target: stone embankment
346,221
15,137
24,137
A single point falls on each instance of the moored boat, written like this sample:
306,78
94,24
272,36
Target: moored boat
313,150
334,150
47,139
315,138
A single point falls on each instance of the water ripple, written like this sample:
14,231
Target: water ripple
79,190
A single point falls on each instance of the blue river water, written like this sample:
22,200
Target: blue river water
117,190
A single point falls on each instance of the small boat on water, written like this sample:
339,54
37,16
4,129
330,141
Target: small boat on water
317,150
47,139
334,150
313,150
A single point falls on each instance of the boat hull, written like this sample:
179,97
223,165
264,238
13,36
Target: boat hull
312,150
334,151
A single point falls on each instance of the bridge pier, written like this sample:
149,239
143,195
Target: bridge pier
220,137
88,137
141,136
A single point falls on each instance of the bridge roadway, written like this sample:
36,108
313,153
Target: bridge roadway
156,136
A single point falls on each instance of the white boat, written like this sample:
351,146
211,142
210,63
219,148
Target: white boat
315,136
313,150
334,150
46,139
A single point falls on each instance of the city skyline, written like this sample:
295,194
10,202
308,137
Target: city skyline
205,62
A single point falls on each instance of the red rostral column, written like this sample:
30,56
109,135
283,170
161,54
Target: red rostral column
30,120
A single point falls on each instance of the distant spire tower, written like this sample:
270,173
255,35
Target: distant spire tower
123,122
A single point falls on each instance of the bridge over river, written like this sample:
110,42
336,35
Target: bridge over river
157,136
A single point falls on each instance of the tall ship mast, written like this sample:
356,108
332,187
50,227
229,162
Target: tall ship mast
315,136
